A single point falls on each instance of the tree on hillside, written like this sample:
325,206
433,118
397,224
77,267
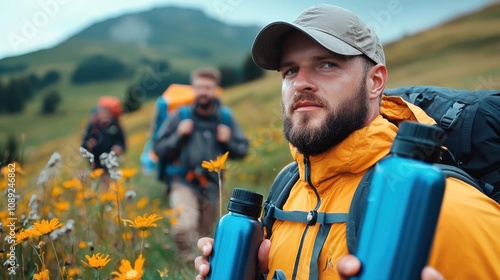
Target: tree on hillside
34,81
131,101
11,69
3,97
9,152
229,75
99,68
50,78
250,70
16,94
50,102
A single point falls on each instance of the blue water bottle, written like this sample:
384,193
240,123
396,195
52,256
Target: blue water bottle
237,238
402,206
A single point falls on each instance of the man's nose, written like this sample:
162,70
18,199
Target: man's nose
304,80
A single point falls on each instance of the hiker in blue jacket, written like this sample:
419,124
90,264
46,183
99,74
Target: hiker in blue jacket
193,134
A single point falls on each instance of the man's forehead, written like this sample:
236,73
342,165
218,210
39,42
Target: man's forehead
301,44
203,80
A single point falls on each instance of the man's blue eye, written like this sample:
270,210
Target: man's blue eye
329,65
290,71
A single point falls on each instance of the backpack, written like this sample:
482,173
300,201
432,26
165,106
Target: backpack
200,150
454,110
167,168
471,120
174,97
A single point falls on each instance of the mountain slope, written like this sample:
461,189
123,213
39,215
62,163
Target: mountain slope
182,36
461,53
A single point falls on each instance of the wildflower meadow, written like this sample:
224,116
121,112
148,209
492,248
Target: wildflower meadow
95,225
78,223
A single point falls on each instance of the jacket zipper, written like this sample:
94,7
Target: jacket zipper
313,214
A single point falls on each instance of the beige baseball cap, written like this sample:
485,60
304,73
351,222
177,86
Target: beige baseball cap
335,28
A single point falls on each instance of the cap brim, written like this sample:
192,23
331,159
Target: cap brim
266,49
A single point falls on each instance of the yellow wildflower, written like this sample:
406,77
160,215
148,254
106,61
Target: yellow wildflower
56,191
216,165
62,205
144,233
97,261
127,236
143,202
107,197
25,234
13,166
82,244
173,221
163,273
96,173
73,272
127,272
144,222
128,172
42,275
46,227
73,183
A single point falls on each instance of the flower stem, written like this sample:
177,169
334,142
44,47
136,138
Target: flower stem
57,258
142,243
40,257
220,194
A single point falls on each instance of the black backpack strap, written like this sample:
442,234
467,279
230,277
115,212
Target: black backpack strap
493,177
455,172
356,211
278,194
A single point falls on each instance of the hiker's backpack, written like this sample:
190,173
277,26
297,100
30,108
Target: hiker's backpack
174,97
471,120
459,112
192,153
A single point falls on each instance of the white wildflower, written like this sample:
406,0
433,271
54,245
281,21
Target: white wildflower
115,174
54,160
130,194
87,154
42,178
33,201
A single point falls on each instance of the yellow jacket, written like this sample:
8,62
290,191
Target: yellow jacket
467,241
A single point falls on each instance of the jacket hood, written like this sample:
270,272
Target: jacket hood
365,146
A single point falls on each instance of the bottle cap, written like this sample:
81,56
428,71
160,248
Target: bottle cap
419,141
245,202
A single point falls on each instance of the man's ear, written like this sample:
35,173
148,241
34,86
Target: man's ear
376,80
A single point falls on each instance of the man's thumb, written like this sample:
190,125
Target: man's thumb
263,256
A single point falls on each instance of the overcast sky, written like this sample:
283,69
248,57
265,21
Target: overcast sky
29,25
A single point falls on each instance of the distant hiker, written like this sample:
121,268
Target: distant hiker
174,97
193,134
104,132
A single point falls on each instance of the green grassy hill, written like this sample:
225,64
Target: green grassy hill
462,53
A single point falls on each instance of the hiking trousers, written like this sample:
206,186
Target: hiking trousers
197,216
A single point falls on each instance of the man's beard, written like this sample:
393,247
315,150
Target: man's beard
349,116
204,102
